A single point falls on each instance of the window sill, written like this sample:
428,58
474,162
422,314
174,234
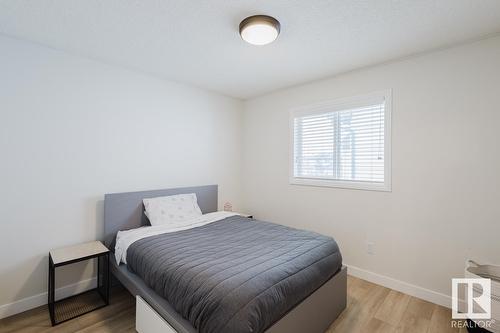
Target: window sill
383,187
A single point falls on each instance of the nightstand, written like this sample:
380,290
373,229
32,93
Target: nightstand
90,300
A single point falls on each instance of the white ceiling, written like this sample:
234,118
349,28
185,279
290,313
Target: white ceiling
197,42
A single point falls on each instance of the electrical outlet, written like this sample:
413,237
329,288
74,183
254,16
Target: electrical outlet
370,248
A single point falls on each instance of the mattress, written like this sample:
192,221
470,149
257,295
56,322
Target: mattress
234,275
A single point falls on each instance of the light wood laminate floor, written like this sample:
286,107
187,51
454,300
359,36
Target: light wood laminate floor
370,308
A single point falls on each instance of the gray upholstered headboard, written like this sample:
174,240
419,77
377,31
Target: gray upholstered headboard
126,211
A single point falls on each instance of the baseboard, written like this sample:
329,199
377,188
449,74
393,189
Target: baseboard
28,303
32,302
404,287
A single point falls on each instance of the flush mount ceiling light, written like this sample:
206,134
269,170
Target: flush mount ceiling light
259,29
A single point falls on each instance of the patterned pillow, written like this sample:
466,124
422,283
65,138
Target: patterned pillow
172,210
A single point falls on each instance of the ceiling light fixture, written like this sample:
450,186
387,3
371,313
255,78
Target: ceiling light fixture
259,29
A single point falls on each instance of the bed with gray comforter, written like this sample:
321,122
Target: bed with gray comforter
237,274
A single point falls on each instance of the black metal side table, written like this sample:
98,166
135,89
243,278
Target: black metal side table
90,300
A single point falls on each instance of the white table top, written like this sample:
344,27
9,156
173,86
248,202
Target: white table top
69,253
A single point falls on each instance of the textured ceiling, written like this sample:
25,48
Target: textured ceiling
197,42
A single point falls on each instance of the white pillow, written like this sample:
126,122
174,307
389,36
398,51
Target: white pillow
172,209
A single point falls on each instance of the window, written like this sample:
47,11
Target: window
344,143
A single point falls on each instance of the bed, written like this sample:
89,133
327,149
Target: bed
246,293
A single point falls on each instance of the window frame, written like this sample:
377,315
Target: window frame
339,105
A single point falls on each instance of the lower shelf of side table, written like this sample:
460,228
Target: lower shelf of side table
77,305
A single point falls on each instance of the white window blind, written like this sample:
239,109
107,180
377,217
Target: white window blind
343,143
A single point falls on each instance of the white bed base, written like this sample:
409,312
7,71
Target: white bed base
147,320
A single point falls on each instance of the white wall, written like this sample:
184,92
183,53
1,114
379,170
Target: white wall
72,130
444,206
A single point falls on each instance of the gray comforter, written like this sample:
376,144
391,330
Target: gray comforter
237,274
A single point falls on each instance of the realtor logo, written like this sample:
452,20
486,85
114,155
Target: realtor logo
477,304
